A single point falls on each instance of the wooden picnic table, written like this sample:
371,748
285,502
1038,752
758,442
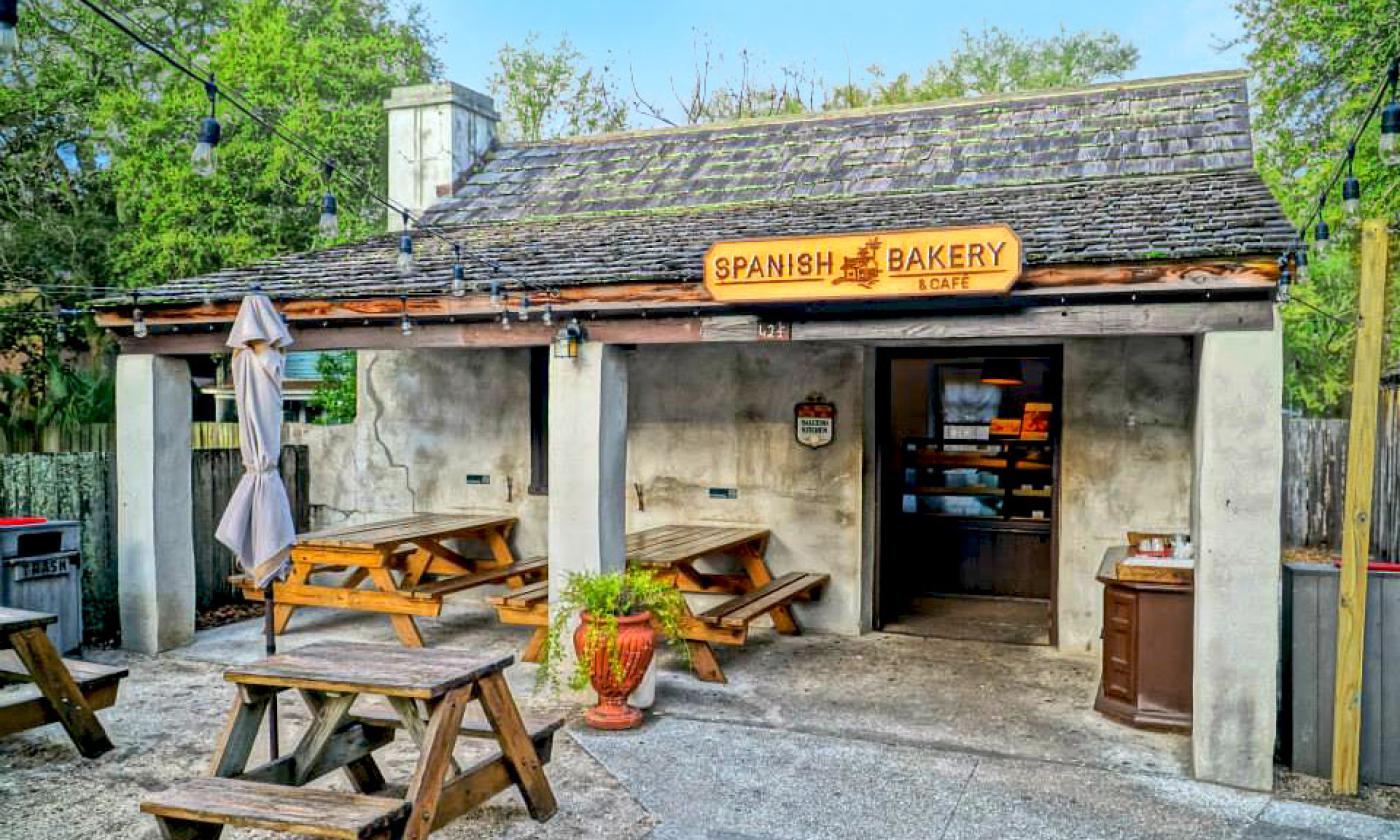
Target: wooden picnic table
428,691
57,690
407,563
672,552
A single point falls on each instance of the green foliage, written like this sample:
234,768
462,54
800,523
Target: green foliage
96,133
605,598
550,93
1317,65
334,396
997,61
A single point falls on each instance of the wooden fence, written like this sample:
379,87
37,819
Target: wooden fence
1314,480
82,486
216,473
93,437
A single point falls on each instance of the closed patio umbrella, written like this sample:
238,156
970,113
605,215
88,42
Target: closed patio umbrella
257,525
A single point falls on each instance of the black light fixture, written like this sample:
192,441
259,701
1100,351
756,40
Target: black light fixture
1301,275
1390,121
1322,238
568,340
9,34
1000,370
330,219
202,161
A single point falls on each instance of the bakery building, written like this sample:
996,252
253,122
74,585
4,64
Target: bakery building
949,354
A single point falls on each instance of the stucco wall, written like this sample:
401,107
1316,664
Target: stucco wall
722,416
1125,461
700,417
426,419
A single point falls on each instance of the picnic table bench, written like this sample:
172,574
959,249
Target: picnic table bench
406,562
428,691
672,552
55,690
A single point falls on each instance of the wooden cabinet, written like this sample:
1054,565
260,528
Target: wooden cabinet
1147,654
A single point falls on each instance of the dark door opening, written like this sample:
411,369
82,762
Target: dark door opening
968,470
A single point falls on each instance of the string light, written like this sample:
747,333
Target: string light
505,321
329,224
524,307
1351,192
405,260
9,32
138,321
209,134
1300,263
459,274
496,293
1322,234
1390,121
548,316
405,322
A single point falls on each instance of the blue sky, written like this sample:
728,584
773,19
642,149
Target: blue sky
655,40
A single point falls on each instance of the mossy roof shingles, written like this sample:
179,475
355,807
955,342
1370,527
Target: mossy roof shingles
1155,169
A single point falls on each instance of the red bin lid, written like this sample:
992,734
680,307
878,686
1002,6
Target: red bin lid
15,521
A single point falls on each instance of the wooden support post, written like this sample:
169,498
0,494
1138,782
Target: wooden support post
1356,519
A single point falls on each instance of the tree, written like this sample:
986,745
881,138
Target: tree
997,61
1317,65
96,188
550,93
335,394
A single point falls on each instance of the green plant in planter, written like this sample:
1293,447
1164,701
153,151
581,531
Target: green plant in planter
605,597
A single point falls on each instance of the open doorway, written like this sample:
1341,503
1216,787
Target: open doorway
968,466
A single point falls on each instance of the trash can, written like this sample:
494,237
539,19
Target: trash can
40,570
1309,668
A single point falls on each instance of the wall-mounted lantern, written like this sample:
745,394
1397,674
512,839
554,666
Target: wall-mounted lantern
568,339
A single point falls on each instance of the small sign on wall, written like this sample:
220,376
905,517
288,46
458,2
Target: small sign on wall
815,423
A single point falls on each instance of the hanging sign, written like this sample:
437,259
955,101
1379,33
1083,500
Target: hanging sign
932,262
816,423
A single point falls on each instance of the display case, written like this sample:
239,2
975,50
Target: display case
1010,480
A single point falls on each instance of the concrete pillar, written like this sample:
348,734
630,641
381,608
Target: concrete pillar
437,134
1235,512
155,542
587,463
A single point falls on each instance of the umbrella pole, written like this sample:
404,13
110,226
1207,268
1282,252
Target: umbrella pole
271,647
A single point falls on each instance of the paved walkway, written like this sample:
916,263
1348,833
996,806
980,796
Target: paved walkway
813,737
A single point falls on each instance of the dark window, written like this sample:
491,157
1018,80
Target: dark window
539,420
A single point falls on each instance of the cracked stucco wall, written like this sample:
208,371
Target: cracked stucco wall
426,419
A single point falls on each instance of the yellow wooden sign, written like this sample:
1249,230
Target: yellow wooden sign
933,262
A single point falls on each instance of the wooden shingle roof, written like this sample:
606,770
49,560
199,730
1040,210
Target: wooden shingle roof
1171,126
1137,171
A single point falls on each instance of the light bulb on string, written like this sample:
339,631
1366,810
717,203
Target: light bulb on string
202,161
548,315
496,298
524,314
1322,234
405,322
405,259
1390,121
329,223
505,321
1351,192
1301,274
138,320
9,30
459,274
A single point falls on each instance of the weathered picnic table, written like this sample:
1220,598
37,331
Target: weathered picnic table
405,560
428,690
56,690
672,552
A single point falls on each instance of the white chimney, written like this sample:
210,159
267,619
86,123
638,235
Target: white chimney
437,133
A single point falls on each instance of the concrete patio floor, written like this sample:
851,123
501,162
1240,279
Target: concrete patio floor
813,737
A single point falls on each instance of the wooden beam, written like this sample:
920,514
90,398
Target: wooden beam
1049,322
691,297
1356,518
1030,323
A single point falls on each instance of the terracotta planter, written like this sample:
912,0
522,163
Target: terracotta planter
636,642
